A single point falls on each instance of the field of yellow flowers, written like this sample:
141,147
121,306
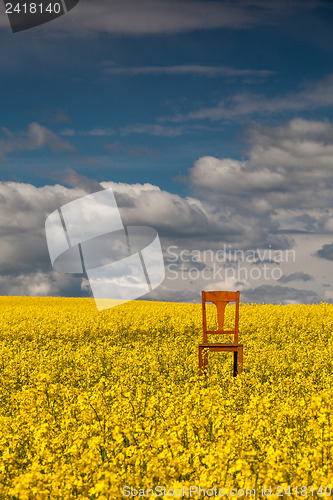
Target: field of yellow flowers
108,405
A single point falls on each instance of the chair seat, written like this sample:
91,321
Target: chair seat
218,344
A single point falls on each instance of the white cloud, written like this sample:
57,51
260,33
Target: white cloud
286,168
167,212
154,129
201,223
150,17
186,69
300,144
36,137
97,131
232,176
329,296
312,95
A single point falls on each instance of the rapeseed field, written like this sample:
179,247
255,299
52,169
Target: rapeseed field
109,405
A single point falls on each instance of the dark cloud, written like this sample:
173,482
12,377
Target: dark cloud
298,276
265,261
271,294
325,252
25,267
75,180
168,294
43,284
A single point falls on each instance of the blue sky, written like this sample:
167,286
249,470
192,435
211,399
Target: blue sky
223,108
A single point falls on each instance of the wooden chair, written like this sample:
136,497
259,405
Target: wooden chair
220,299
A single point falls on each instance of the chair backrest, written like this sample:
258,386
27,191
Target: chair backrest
220,299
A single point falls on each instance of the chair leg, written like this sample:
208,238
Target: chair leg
203,361
240,360
200,361
235,363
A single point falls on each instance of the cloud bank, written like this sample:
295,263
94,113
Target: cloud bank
281,190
